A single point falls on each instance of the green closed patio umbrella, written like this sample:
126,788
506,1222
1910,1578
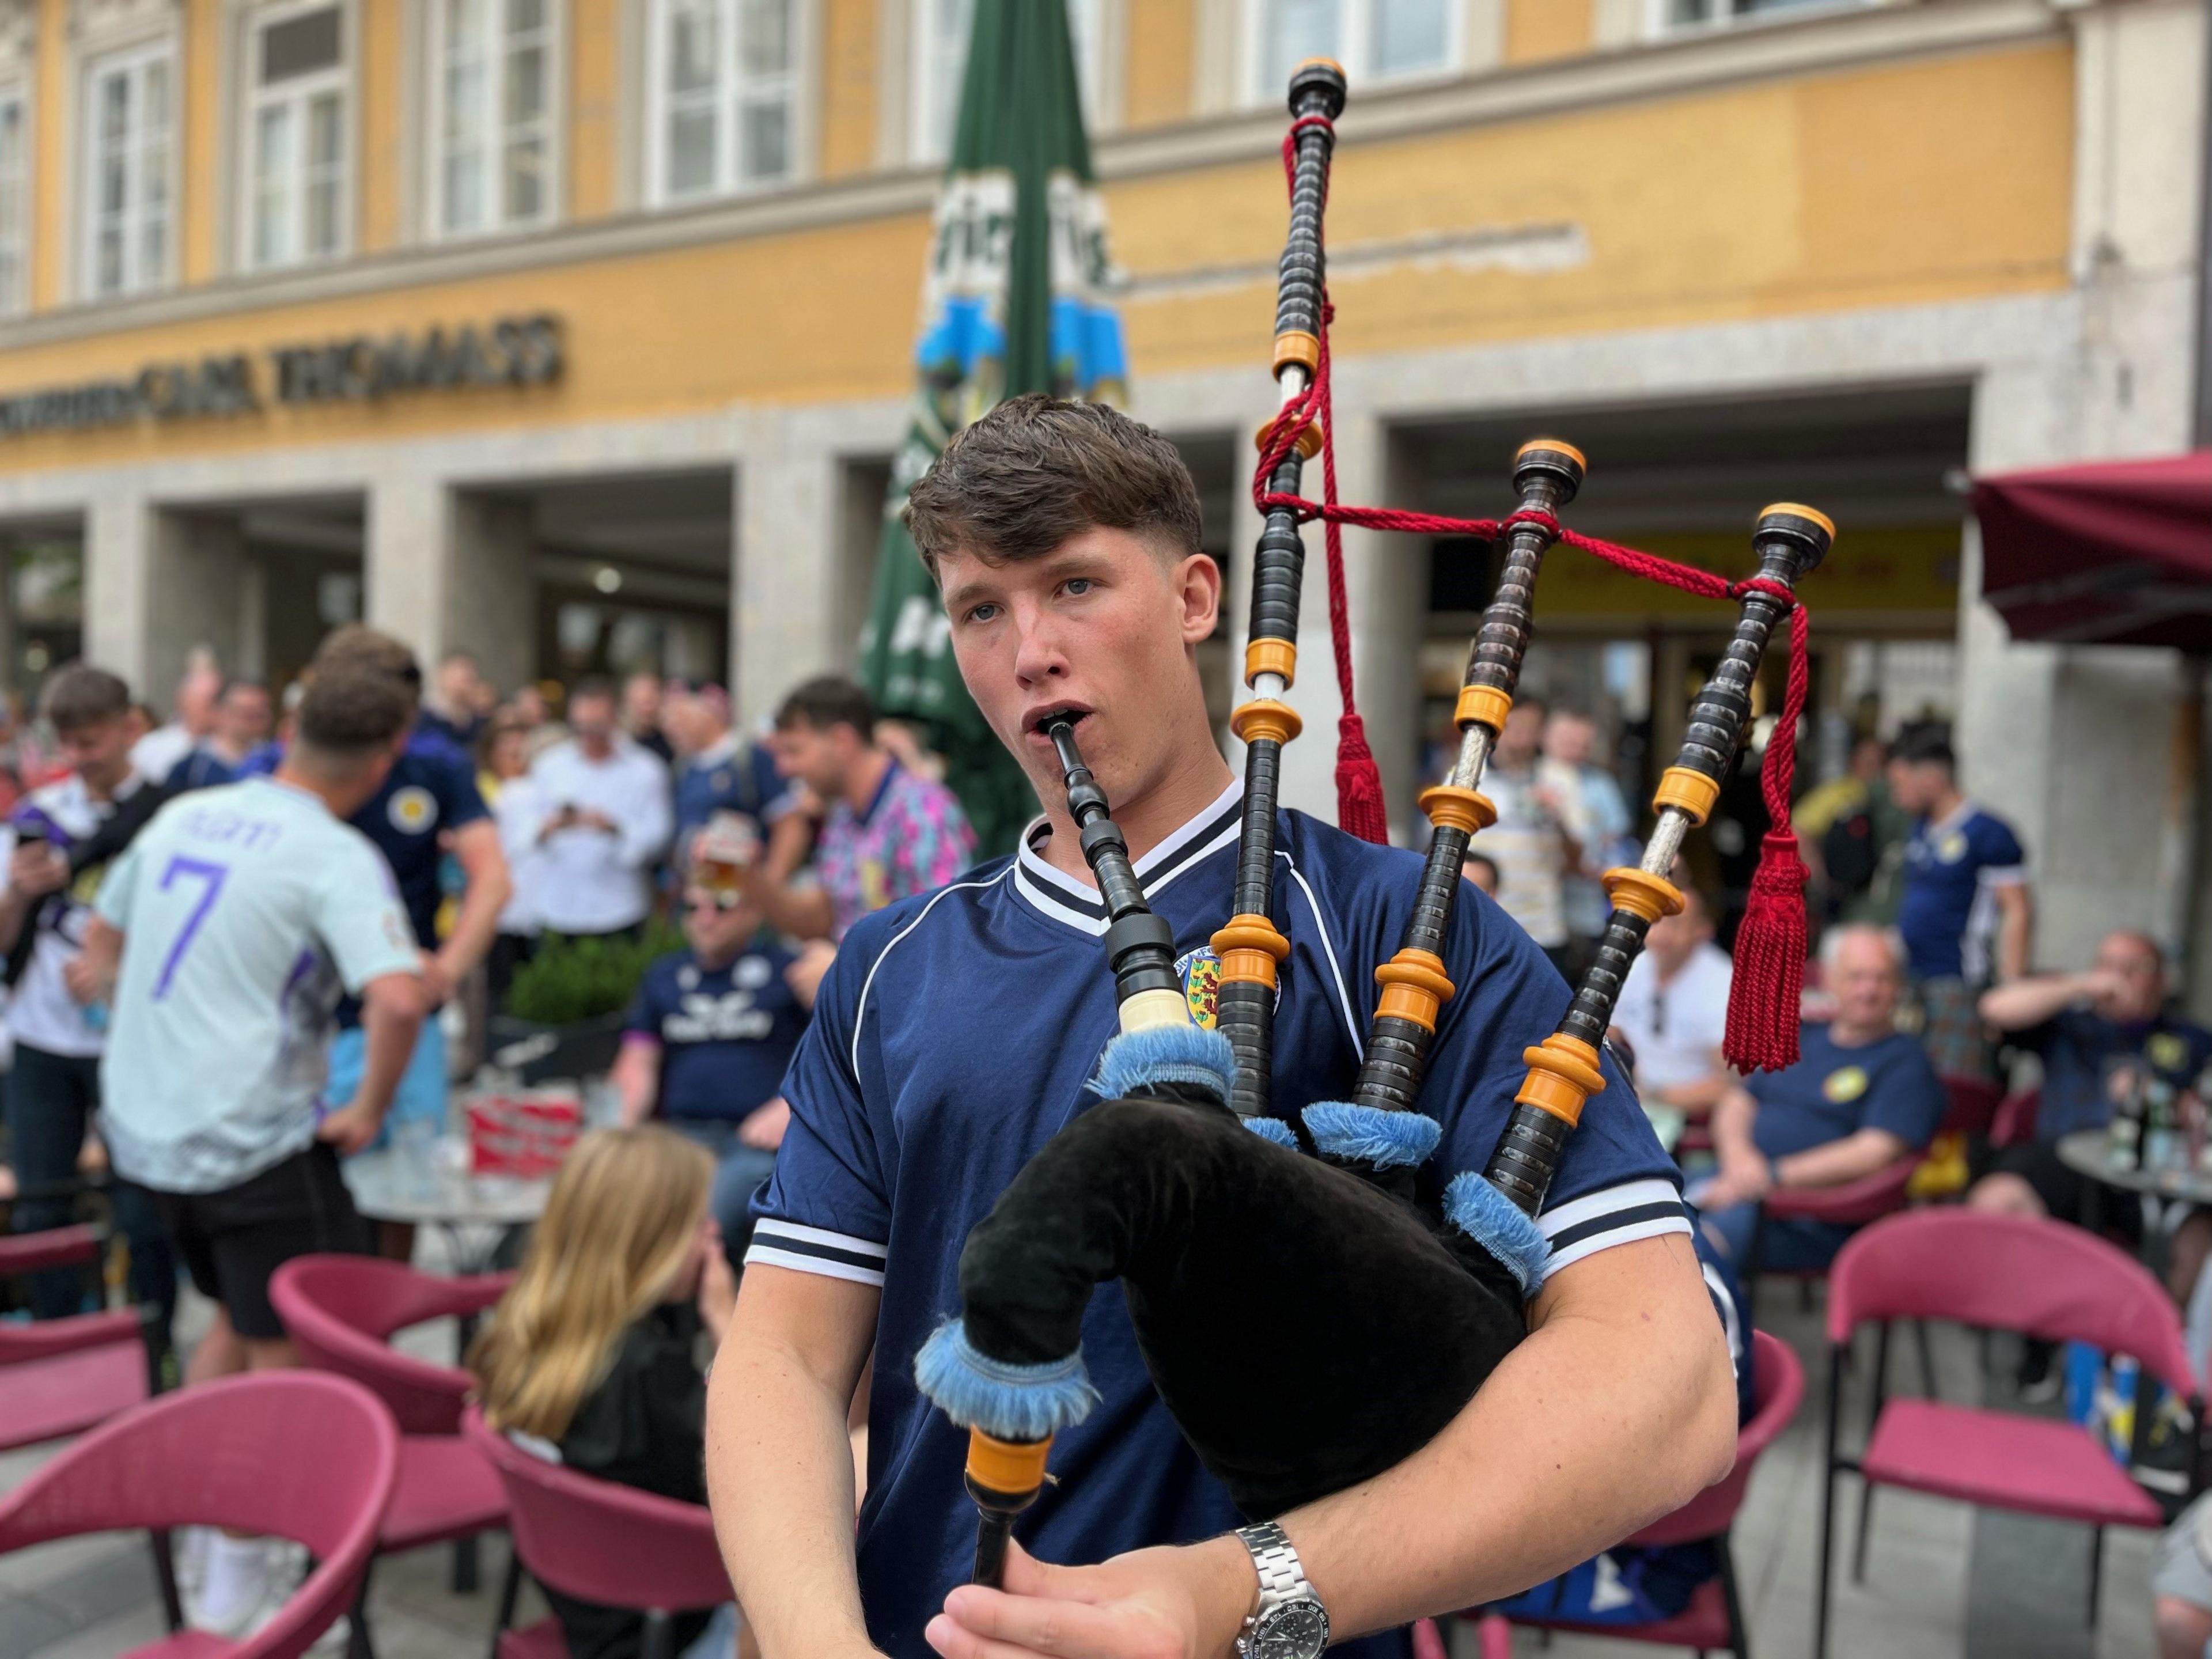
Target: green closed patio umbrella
1013,302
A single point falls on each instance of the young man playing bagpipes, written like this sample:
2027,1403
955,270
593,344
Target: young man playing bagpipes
955,1036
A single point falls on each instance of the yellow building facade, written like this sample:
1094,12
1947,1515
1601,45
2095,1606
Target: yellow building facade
577,332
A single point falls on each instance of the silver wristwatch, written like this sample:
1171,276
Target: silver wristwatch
1289,1621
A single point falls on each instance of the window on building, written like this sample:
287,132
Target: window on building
297,145
1373,40
1670,14
940,64
14,201
724,88
129,118
495,120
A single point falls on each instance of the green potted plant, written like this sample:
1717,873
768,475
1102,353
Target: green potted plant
564,1011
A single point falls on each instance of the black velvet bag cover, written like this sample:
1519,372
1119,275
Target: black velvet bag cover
1306,1330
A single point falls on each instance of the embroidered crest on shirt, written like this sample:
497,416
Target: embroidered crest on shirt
1848,1082
412,809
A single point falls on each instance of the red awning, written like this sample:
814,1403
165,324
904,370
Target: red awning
2113,553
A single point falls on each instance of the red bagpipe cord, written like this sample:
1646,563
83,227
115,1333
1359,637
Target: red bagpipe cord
1770,940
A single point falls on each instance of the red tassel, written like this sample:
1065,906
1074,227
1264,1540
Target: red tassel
1358,785
1770,961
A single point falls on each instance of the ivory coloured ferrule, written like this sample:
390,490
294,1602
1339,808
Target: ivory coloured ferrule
1448,807
1482,705
1012,1466
1688,791
1563,1074
1276,657
1414,988
1641,893
1263,717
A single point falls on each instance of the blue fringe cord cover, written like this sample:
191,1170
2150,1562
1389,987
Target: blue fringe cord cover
1495,1222
1274,1129
1165,1053
1370,1134
1008,1402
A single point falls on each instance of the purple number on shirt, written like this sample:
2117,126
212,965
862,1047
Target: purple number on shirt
197,869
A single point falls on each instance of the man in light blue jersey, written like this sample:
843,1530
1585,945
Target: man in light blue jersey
225,937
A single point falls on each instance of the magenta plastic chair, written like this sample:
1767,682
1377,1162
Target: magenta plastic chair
299,1456
2040,1279
60,1376
598,1541
1714,1619
339,1311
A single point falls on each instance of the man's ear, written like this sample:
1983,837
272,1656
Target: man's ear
1198,581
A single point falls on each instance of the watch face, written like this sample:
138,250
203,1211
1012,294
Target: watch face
1296,1630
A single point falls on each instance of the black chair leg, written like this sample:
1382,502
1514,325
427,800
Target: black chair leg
509,1589
165,1574
1825,1562
1926,1348
358,1645
1739,1638
464,1565
2096,1571
657,1635
1859,1543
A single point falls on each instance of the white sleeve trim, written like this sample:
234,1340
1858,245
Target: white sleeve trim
2007,875
1649,1208
817,1250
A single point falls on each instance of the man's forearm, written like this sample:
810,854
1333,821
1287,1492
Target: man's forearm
2026,1002
779,1476
387,1041
1733,1116
801,912
15,910
2014,936
1836,1162
1600,1423
477,923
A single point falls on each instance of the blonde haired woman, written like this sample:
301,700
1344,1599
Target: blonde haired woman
590,1357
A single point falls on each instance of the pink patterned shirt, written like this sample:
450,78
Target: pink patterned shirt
913,837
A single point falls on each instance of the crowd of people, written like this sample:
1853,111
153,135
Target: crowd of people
231,936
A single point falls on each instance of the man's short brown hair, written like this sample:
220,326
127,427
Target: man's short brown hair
829,701
80,695
352,710
1036,471
358,646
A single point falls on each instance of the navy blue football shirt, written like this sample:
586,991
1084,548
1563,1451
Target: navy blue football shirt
2080,1049
1948,912
953,1037
1835,1091
725,1034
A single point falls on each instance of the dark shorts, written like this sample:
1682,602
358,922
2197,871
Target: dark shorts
232,1240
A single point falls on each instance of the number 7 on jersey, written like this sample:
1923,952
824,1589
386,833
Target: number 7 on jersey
197,869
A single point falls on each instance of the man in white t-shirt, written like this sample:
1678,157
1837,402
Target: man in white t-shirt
1672,1010
225,935
606,816
51,868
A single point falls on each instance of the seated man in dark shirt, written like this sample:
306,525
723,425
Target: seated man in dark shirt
1860,1096
709,1037
2100,1034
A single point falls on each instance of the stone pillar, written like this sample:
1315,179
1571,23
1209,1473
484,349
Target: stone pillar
491,598
118,556
158,585
784,576
407,561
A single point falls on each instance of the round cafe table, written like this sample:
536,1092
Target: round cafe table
473,1213
2087,1151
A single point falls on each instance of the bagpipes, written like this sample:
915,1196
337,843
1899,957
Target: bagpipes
1253,1252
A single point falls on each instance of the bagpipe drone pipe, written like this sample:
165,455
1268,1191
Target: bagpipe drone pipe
1308,1323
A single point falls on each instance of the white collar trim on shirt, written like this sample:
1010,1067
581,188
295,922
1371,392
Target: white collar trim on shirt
1076,903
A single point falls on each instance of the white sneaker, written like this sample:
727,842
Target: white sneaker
240,1584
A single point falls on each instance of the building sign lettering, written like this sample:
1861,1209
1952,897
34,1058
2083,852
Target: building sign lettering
512,351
